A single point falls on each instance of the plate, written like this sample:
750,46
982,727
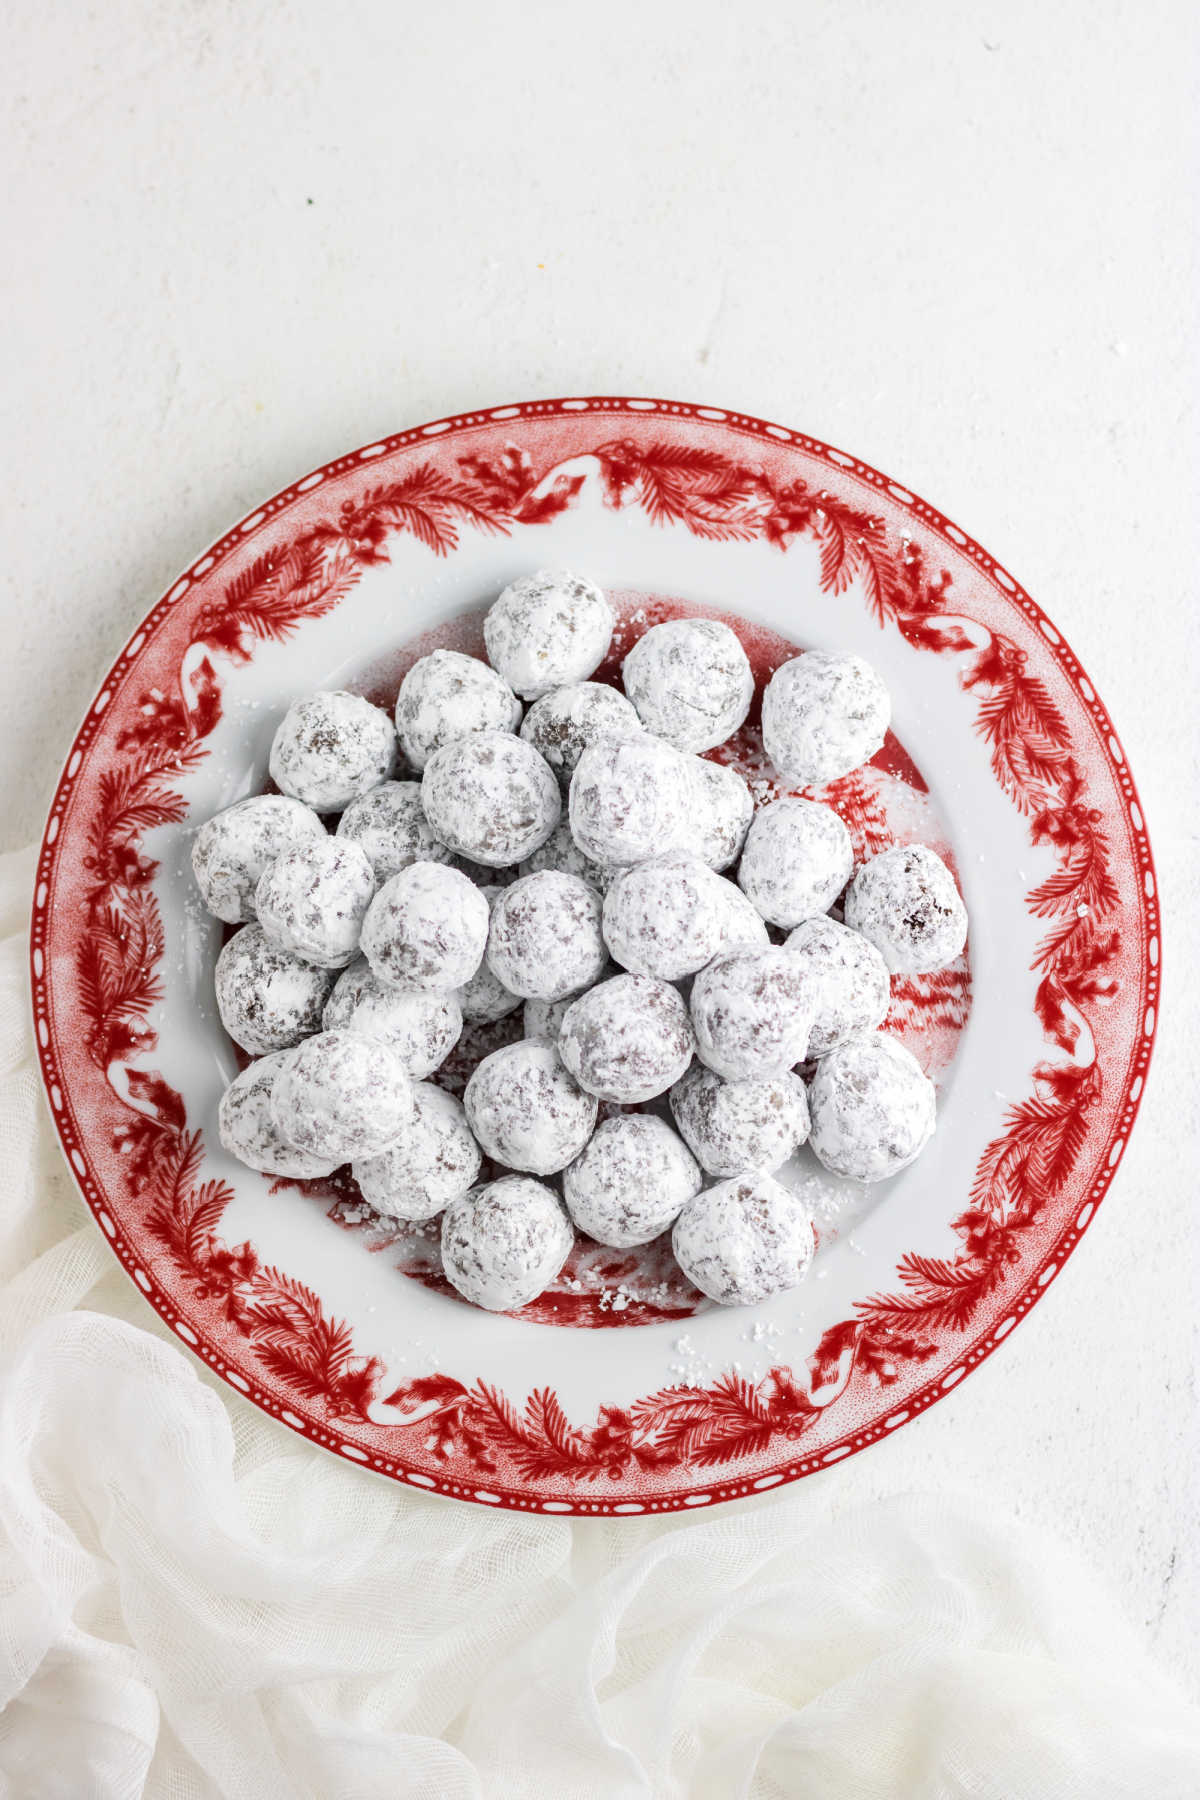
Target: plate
618,1392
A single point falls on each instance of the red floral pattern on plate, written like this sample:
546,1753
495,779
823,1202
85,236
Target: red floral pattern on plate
268,1333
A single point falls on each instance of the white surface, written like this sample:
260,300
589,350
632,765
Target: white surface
955,239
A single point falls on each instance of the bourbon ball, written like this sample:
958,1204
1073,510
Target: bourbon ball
627,1039
426,928
546,630
629,800
856,989
722,809
733,1126
560,851
690,681
906,903
340,1096
526,1110
484,998
798,858
433,1164
743,927
422,1027
313,900
873,1108
247,1129
631,1181
545,940
666,916
268,999
389,824
744,1240
752,1011
231,852
490,797
330,748
562,724
446,696
503,1244
823,716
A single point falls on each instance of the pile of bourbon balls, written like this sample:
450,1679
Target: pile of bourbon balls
522,836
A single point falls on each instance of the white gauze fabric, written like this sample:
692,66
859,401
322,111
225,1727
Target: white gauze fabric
193,1603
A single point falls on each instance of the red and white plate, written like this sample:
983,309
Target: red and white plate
618,1391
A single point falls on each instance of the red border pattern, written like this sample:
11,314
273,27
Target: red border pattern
282,1342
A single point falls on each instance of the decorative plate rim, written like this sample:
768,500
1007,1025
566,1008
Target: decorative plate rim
1121,1111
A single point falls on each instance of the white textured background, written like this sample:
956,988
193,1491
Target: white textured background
241,236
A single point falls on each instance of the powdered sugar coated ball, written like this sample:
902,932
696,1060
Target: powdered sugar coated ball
340,1096
798,858
421,1027
268,999
665,916
562,724
733,1126
856,990
690,681
723,807
313,900
546,630
484,998
231,852
752,1011
744,1240
503,1244
434,1163
560,851
389,824
631,1181
545,940
629,800
906,903
490,797
446,696
627,1039
426,928
331,747
873,1108
823,716
246,1125
526,1110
